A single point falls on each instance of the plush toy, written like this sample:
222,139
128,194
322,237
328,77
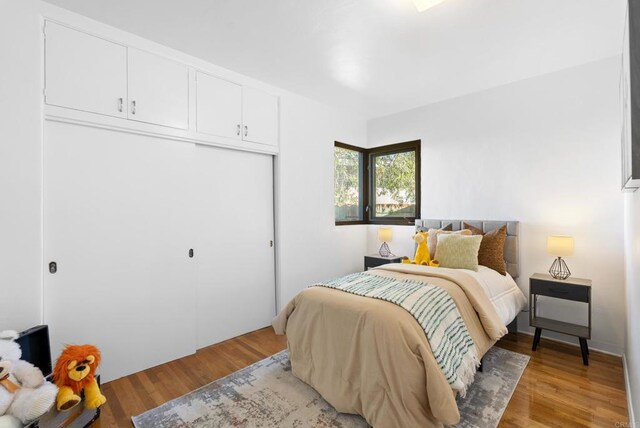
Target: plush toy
9,421
74,373
24,393
422,252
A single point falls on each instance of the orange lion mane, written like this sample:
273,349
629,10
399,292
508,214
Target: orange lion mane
75,353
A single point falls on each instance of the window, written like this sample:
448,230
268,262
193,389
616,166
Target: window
378,185
394,182
349,184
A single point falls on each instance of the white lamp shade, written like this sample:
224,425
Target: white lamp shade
385,234
560,245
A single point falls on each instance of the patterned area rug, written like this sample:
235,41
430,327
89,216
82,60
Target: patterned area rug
266,394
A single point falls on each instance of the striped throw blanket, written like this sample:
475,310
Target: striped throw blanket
435,311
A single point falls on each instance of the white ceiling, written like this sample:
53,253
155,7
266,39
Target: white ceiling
376,56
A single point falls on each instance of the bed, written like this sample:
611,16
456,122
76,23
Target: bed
371,357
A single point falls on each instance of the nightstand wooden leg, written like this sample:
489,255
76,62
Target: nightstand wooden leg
585,351
536,339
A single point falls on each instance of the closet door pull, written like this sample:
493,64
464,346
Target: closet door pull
53,267
133,107
190,253
238,129
246,130
120,101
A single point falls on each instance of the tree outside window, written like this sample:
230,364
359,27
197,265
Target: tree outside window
348,184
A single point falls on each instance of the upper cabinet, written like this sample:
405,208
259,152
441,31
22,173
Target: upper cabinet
229,110
259,116
158,90
218,106
630,98
87,73
84,72
152,94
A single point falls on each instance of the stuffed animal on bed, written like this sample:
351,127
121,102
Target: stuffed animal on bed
74,373
422,252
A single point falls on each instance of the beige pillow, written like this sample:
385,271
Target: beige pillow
458,251
432,239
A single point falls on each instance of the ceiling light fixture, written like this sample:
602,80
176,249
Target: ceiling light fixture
423,5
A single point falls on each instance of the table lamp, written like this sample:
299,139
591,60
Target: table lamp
560,245
385,234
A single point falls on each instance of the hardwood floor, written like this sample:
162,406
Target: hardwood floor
555,389
134,394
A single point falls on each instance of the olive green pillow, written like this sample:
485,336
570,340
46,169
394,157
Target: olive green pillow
458,251
432,239
491,252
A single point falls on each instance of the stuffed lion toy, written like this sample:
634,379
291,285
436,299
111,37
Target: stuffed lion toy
74,373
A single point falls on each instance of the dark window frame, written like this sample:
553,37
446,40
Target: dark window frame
408,146
364,183
367,179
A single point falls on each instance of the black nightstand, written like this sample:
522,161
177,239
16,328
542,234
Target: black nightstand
373,260
574,289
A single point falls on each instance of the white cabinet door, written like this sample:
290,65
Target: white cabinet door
234,216
84,72
218,106
259,116
118,224
158,90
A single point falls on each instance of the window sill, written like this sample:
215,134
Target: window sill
403,222
399,222
349,223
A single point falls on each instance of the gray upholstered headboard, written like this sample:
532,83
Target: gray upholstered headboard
511,246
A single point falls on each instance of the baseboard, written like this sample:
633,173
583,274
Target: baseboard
627,385
593,346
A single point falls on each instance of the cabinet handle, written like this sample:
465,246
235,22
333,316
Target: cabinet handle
120,101
246,130
238,129
133,107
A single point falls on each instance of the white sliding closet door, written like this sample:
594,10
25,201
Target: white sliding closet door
119,225
236,279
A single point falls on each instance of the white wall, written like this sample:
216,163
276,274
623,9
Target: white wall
311,247
632,250
544,151
20,165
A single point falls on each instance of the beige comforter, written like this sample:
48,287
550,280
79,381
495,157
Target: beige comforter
371,357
